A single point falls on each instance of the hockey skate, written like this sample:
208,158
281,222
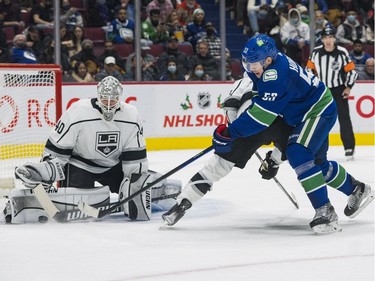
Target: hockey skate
359,199
325,220
176,212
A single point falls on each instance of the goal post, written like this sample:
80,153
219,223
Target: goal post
30,105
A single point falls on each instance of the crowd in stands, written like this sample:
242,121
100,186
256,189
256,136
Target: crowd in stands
178,42
287,21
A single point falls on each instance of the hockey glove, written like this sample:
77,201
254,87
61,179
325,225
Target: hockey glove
268,169
46,173
221,140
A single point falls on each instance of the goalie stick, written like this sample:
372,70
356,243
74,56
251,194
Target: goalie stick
290,196
98,213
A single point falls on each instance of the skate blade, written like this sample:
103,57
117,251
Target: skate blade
364,204
164,226
329,228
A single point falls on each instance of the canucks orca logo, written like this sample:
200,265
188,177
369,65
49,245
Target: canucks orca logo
204,100
269,75
107,142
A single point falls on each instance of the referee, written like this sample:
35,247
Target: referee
334,67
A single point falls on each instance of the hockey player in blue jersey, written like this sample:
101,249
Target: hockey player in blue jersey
305,103
285,89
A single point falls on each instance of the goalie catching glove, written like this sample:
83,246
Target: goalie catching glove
269,168
45,173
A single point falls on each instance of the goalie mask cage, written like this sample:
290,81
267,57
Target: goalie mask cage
30,104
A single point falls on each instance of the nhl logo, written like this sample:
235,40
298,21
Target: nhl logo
107,143
335,66
204,100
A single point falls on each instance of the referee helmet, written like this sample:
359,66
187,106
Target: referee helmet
329,30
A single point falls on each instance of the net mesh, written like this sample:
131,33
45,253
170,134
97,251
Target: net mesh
27,115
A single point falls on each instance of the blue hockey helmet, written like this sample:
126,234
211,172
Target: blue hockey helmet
257,49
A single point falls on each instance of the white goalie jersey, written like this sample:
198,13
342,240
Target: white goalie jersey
82,138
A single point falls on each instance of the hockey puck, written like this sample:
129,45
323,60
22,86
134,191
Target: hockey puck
43,219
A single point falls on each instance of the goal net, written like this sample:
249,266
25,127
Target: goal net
28,95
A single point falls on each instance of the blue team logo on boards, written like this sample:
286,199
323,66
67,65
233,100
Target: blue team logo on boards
107,142
204,100
269,75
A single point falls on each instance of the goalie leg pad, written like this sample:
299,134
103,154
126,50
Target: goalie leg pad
46,173
139,208
23,206
165,189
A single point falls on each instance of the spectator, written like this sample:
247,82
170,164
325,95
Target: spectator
196,29
164,6
121,30
87,56
198,74
229,76
41,14
368,72
203,57
335,12
147,71
295,34
213,40
320,24
276,18
110,51
153,30
305,17
182,60
10,14
321,5
130,10
48,56
34,40
370,29
20,52
172,73
147,58
357,54
350,30
4,52
70,16
241,8
79,74
185,11
109,69
257,10
174,27
75,45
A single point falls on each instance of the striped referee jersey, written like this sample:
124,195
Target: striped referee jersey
333,68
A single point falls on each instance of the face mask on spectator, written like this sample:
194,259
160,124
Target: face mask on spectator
228,73
21,45
190,6
172,68
199,72
66,7
319,21
294,21
351,18
209,32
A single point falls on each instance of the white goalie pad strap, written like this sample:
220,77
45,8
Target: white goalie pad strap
46,173
139,208
25,208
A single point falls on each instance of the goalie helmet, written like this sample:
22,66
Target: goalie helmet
109,92
257,49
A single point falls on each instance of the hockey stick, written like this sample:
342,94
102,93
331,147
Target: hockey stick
291,196
45,201
104,210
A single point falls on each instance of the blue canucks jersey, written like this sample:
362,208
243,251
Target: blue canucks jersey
285,89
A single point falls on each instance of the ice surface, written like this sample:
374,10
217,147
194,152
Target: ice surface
245,229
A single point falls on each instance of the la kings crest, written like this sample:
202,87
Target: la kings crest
107,143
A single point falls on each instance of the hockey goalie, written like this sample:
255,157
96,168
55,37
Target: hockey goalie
96,141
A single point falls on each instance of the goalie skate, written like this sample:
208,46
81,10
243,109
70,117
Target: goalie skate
359,199
325,220
176,213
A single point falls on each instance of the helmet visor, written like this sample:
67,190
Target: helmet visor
252,66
